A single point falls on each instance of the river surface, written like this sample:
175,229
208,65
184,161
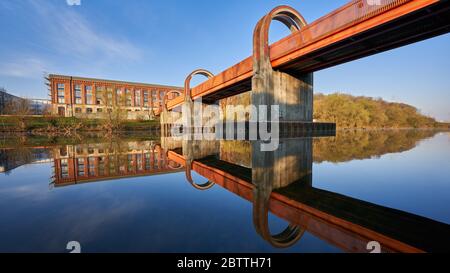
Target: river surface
314,194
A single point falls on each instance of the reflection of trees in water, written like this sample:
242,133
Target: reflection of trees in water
20,155
359,144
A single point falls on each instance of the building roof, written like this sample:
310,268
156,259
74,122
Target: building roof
112,81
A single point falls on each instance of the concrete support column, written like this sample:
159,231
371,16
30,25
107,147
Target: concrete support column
272,170
294,95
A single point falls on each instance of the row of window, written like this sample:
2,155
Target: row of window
99,110
130,164
104,96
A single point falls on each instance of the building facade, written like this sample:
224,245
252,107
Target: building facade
93,98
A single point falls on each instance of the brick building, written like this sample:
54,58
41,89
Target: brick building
92,98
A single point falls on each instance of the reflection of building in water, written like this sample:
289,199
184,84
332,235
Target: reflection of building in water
93,162
14,158
280,182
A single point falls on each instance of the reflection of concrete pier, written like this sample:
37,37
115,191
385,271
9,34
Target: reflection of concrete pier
280,182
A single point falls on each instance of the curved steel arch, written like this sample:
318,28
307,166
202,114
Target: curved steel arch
187,82
288,237
202,187
164,102
261,201
261,52
175,168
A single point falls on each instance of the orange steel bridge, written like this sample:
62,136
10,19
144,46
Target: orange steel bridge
358,29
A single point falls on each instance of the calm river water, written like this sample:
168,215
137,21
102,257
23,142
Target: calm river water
327,194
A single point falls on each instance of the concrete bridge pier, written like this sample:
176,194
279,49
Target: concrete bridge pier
191,113
292,93
168,119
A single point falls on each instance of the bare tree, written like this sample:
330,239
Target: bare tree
19,109
115,113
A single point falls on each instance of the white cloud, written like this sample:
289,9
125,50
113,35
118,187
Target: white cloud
24,67
71,34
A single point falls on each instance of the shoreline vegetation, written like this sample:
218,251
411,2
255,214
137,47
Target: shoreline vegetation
347,145
347,111
48,125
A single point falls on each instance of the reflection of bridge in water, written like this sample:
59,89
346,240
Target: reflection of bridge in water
281,182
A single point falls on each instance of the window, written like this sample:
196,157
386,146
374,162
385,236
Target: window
64,168
61,111
101,165
161,96
128,97
147,161
61,93
154,97
80,166
112,164
109,95
146,99
99,110
78,110
99,95
63,152
119,99
130,161
88,91
78,94
91,166
139,162
137,97
89,110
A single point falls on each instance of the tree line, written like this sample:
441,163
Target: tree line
349,111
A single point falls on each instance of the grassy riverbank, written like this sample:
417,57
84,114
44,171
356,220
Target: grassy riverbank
37,125
24,140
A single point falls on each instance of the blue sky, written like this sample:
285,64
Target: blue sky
162,41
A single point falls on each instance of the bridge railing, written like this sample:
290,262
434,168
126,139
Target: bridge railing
349,15
344,17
